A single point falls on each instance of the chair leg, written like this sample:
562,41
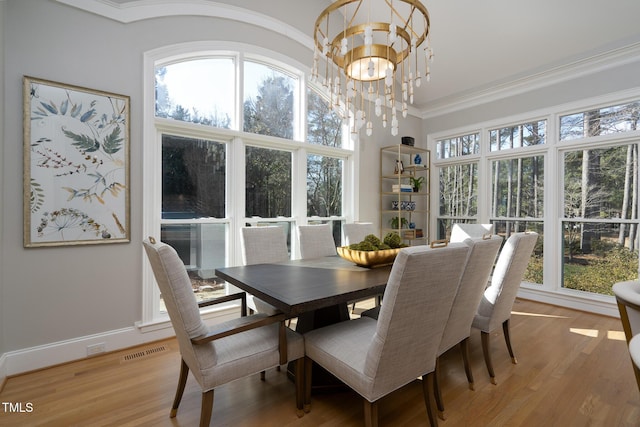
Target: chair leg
507,339
182,381
370,413
299,372
207,407
308,365
487,355
464,348
436,391
427,386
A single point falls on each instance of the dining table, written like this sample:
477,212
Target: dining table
316,291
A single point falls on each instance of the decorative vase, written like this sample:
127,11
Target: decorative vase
417,160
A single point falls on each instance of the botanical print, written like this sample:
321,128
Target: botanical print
76,153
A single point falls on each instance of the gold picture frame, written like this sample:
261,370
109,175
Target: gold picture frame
76,165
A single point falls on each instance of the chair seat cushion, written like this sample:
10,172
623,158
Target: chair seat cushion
245,354
339,349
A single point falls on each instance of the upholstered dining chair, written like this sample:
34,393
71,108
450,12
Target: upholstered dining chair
628,299
263,245
375,358
461,231
316,241
496,303
355,232
228,351
478,266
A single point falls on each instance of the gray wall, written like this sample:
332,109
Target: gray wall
55,294
2,296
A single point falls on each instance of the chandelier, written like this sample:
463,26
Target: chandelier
361,48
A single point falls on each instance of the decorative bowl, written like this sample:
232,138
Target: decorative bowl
368,259
408,205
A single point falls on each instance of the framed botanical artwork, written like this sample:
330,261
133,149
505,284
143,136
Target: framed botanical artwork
76,165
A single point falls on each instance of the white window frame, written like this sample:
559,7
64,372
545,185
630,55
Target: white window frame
550,291
237,141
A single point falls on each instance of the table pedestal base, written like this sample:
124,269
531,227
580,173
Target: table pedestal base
321,379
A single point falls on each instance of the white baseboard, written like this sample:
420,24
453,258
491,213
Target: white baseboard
30,359
3,371
599,304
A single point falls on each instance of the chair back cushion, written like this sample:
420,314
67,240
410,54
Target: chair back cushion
460,231
263,245
416,304
180,301
628,298
482,255
357,231
497,301
316,241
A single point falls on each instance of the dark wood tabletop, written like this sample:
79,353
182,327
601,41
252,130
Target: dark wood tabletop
300,286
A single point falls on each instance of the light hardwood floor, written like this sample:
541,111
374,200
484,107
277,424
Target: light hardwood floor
573,370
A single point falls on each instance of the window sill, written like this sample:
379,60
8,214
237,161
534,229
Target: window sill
211,316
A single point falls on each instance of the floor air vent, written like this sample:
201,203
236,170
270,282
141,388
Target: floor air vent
144,353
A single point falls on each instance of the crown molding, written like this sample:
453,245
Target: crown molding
583,67
149,9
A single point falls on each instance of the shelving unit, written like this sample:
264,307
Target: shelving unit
405,212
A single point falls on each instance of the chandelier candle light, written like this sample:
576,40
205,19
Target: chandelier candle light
360,48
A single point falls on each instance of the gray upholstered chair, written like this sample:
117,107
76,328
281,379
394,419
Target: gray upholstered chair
356,232
496,303
461,231
375,358
228,351
316,241
263,245
628,299
479,263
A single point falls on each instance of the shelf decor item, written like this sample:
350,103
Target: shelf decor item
416,183
76,165
408,140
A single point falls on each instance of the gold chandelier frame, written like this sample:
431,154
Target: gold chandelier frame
362,57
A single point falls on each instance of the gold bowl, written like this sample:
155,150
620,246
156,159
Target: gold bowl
368,258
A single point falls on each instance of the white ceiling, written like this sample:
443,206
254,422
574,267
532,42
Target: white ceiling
481,45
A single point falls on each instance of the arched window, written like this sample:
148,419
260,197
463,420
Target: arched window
236,140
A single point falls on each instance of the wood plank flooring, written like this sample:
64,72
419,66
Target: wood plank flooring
573,370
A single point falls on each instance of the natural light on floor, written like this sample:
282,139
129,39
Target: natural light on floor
593,333
519,313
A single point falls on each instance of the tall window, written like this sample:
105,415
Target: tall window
518,203
590,202
193,207
517,186
600,220
212,125
268,182
458,181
